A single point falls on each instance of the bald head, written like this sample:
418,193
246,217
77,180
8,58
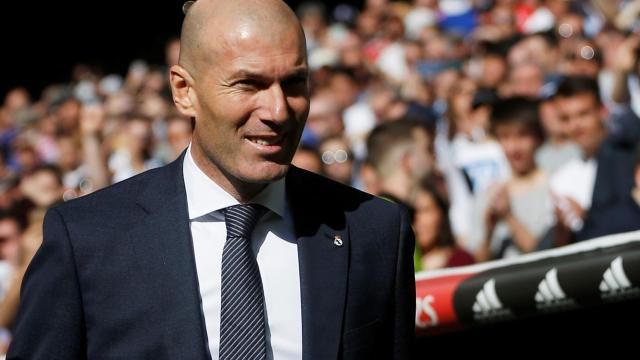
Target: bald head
210,26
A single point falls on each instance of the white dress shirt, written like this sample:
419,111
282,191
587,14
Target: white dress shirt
275,245
576,179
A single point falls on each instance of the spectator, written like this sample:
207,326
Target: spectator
178,135
337,160
558,149
592,189
325,120
479,157
308,158
435,244
398,155
133,154
518,216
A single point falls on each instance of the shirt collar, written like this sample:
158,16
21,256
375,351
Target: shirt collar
204,196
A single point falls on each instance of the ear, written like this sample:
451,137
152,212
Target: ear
407,162
182,89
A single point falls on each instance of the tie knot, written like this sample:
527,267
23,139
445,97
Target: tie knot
241,219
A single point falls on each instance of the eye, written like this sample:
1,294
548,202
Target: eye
295,84
249,84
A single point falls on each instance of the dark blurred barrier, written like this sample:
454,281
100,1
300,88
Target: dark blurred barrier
581,292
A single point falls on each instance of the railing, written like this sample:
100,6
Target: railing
595,272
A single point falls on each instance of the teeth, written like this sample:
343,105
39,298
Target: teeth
265,142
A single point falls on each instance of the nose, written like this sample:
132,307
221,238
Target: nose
274,105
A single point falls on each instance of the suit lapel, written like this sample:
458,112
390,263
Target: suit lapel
165,236
323,253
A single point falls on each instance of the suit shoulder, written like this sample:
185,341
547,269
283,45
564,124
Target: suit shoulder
325,190
113,197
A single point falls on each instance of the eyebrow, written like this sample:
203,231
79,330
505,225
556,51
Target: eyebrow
248,74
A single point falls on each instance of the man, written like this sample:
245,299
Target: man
592,192
142,270
399,154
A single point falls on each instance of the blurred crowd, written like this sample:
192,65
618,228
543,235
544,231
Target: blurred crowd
503,126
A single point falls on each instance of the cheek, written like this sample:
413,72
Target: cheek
300,107
527,147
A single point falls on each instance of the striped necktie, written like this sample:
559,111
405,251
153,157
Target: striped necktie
242,318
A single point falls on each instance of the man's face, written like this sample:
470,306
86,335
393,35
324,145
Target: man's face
519,146
422,156
584,119
252,103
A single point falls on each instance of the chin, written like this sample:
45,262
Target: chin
264,173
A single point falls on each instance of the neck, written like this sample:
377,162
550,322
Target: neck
241,191
557,140
526,174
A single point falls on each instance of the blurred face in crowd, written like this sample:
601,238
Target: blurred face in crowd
324,117
42,187
554,127
581,59
427,220
344,90
460,105
519,146
27,157
437,48
584,117
138,135
351,55
337,160
154,83
9,239
502,19
178,134
376,6
69,156
68,115
494,70
368,25
308,159
526,80
247,89
422,157
444,82
16,99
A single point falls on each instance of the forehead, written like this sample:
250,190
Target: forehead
253,49
581,100
511,128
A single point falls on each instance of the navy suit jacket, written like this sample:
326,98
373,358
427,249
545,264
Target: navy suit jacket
612,210
115,277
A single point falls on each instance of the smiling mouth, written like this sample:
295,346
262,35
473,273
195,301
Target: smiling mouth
266,140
